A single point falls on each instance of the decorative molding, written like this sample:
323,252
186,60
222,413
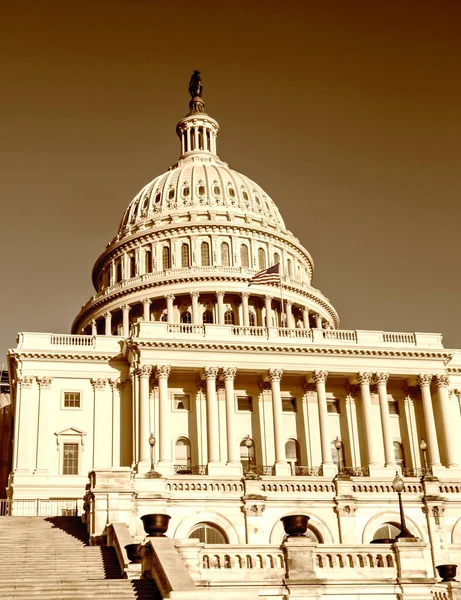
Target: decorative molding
162,371
345,510
253,510
264,386
411,392
116,384
381,378
424,380
98,383
26,381
275,375
210,373
442,381
320,376
364,378
229,373
309,388
352,390
144,371
146,302
44,382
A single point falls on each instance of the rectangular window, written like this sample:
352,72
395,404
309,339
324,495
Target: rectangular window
181,402
245,403
71,399
333,406
70,459
289,405
393,407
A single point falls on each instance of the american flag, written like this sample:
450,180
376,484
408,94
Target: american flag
270,275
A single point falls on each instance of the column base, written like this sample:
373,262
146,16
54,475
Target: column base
217,468
283,469
234,468
329,470
381,471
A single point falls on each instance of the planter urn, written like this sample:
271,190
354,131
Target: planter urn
295,525
156,524
447,572
133,554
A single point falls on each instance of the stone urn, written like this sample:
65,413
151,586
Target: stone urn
295,525
133,554
447,572
156,524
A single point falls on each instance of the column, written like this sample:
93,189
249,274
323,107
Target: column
275,376
318,321
163,372
449,434
169,307
220,298
188,139
245,309
101,429
364,380
108,319
424,382
195,308
210,374
144,373
43,435
116,388
306,318
268,305
233,452
94,330
24,433
146,308
389,456
290,319
320,378
126,320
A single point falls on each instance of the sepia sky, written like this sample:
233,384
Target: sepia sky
347,112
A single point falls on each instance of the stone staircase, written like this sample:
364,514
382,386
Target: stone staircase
49,558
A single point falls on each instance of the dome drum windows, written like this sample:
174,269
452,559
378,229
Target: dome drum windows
244,256
205,254
261,259
166,259
185,255
225,254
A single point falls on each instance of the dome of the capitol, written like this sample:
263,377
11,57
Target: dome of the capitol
192,240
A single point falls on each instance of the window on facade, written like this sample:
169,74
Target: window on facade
166,258
181,402
71,399
247,455
244,258
208,534
132,266
252,319
205,254
229,317
293,452
333,406
289,268
393,407
399,454
245,403
261,259
208,316
289,405
182,452
387,530
186,317
185,261
225,260
147,261
70,459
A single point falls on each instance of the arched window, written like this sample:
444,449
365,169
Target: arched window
261,259
205,254
229,317
244,258
118,272
247,455
252,319
387,531
225,260
132,266
186,317
289,268
166,258
147,261
208,316
399,454
182,452
207,533
185,255
293,452
276,258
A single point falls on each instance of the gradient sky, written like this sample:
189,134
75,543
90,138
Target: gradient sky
347,112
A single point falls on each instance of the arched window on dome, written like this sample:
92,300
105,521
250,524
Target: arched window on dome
289,268
244,257
208,317
205,254
276,258
252,319
225,259
118,271
132,266
229,317
185,259
166,258
186,317
261,259
147,261
182,453
208,533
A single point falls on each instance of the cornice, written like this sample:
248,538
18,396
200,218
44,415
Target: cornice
64,357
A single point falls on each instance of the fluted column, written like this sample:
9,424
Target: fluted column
389,456
162,374
245,309
116,387
275,376
220,299
210,374
195,308
102,425
43,441
144,373
306,318
233,456
94,330
424,381
290,319
126,320
145,308
320,378
268,305
449,434
364,380
108,319
169,307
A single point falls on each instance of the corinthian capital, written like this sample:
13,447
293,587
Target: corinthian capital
424,380
26,381
44,383
381,378
245,295
163,371
220,294
320,376
169,297
98,383
144,370
229,373
107,314
195,294
126,308
147,301
364,378
210,372
442,381
275,375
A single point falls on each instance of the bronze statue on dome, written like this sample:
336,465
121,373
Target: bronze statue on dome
195,85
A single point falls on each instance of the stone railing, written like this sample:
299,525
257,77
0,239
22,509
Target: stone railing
369,557
206,486
187,328
191,469
229,563
415,472
72,340
355,471
302,471
288,486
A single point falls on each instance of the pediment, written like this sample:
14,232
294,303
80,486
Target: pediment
71,431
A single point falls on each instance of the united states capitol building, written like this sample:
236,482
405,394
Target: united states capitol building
182,389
